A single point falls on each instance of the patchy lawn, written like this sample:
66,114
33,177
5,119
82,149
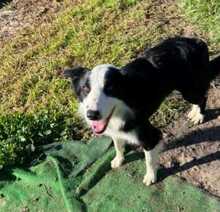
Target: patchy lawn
80,32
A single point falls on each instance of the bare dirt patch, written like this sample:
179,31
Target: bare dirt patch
193,153
21,14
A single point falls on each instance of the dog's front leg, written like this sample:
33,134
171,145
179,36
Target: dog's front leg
151,158
119,158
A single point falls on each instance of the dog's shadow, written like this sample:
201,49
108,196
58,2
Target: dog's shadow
211,114
195,137
166,172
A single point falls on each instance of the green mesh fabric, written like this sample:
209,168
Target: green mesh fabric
77,177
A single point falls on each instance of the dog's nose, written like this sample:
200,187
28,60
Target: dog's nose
93,114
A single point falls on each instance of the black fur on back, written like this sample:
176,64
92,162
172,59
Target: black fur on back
175,64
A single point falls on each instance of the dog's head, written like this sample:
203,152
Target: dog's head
98,92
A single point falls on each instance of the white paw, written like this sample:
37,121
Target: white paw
195,115
198,119
150,178
191,114
116,162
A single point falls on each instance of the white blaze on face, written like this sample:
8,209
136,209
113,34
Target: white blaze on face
97,100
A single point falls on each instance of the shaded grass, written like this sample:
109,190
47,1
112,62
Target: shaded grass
89,33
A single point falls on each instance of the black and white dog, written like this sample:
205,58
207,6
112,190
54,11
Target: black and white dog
118,102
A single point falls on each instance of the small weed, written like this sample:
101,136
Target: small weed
21,134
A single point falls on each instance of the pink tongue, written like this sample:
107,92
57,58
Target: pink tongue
98,126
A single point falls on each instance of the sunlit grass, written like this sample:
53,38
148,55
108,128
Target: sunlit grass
206,16
88,33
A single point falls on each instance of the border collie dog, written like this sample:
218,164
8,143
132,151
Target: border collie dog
118,102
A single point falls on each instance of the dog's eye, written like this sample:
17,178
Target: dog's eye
85,89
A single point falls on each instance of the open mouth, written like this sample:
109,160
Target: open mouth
99,126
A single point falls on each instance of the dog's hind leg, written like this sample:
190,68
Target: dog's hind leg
197,97
195,115
119,158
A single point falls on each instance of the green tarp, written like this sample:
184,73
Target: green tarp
77,177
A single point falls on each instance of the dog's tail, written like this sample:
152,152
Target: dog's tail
214,66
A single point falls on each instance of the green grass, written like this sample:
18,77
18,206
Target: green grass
87,34
206,15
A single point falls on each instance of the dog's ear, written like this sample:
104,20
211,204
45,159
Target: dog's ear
75,74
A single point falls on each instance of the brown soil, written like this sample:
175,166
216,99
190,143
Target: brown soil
193,153
21,14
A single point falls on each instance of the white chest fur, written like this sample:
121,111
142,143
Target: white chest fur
114,131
